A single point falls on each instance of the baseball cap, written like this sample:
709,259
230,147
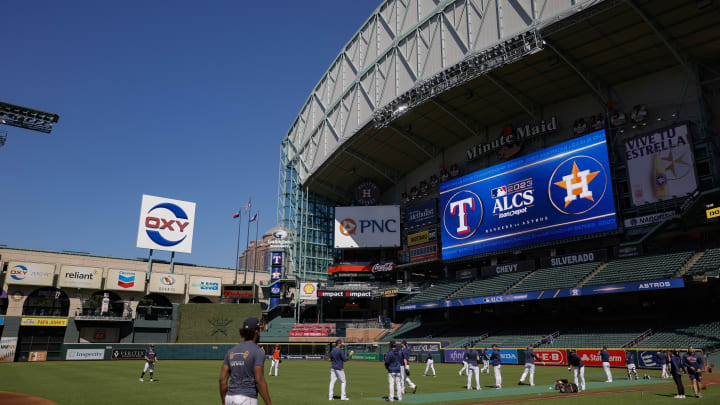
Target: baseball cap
251,323
404,342
337,342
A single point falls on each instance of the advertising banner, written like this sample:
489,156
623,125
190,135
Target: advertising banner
424,253
362,227
43,322
128,354
37,356
711,213
366,356
27,273
559,192
508,356
207,286
628,251
166,224
308,334
85,354
238,291
308,291
389,292
648,358
592,357
80,277
466,274
454,355
661,165
527,265
2,321
424,347
421,214
8,345
422,237
344,294
167,283
552,357
635,222
276,259
125,280
92,334
575,258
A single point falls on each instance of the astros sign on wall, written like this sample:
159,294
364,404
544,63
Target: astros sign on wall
362,227
166,224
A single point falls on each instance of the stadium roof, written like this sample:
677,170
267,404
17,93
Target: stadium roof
588,52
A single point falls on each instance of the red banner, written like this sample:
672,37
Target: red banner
308,334
592,357
552,357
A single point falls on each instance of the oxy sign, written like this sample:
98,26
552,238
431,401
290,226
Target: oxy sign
361,227
27,273
166,224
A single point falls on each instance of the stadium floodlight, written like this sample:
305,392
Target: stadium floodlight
468,69
3,137
28,118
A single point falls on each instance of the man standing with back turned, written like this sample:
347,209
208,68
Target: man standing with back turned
244,366
337,370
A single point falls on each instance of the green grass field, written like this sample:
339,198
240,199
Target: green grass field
306,382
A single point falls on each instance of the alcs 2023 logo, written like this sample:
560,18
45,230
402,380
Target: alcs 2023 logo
577,185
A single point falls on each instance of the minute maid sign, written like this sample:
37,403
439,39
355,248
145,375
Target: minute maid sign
207,286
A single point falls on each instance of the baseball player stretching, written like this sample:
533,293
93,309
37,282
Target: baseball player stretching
150,360
429,365
464,363
631,369
486,361
530,358
275,360
405,370
497,366
605,358
472,357
578,368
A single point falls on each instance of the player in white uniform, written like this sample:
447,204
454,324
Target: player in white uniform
464,363
429,365
631,368
150,360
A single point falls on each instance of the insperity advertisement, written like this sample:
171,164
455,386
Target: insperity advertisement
555,193
660,165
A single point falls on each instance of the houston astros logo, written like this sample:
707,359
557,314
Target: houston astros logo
462,214
347,227
160,223
577,185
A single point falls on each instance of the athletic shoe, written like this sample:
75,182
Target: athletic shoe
414,389
344,399
698,396
478,389
520,383
532,385
678,396
141,380
151,380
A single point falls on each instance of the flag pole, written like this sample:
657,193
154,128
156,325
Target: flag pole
247,240
257,228
237,252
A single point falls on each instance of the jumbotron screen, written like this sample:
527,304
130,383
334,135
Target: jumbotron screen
556,193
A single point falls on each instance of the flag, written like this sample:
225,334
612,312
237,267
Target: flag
254,217
247,207
237,214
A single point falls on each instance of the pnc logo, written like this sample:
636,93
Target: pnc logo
18,272
347,227
462,214
155,224
577,185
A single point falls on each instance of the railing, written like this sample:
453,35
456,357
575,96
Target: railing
108,317
639,339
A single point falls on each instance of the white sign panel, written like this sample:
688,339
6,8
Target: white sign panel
166,224
661,165
125,280
362,227
167,283
80,277
8,345
308,291
208,286
647,219
26,273
85,354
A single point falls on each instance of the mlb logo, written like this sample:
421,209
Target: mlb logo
498,192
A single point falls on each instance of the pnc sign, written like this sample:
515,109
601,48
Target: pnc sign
166,224
361,227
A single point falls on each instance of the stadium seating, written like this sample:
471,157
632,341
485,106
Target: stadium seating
555,277
437,292
313,330
652,268
702,335
597,337
489,286
407,326
707,265
514,337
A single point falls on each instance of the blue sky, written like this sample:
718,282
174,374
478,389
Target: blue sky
155,97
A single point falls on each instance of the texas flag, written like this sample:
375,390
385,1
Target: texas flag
254,217
237,214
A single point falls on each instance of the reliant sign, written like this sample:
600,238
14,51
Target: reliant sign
207,286
167,283
26,273
519,134
125,280
166,224
80,277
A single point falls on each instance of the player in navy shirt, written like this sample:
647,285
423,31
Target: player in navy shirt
337,370
605,358
530,358
496,360
405,371
393,365
662,361
578,367
631,368
676,370
464,363
486,361
472,357
150,360
693,364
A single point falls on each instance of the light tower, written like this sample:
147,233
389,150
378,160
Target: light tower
25,117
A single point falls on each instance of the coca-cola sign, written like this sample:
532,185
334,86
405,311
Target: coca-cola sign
382,268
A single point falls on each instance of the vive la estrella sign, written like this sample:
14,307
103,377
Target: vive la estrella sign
516,136
167,283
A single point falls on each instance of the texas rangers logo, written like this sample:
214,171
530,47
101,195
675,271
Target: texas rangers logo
463,214
577,185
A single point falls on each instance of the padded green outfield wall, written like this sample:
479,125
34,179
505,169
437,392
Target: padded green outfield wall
213,323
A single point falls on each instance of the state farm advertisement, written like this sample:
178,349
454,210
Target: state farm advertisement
592,357
552,357
363,227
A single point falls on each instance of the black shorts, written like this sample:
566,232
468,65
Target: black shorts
695,375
